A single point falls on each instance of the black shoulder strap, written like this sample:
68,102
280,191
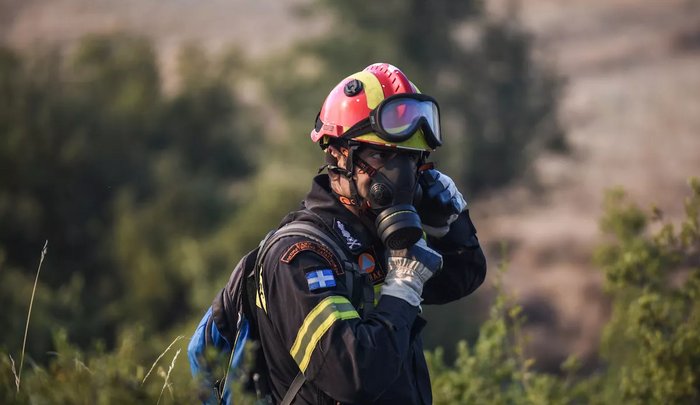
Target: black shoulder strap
311,232
294,387
315,234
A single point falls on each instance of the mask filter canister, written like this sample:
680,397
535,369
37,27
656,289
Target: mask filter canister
399,226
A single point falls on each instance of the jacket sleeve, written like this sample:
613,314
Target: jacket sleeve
351,359
464,263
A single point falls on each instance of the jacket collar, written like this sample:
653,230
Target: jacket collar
358,234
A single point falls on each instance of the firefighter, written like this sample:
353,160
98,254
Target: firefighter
338,316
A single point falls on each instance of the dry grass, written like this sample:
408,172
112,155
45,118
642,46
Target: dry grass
18,375
14,372
167,376
160,357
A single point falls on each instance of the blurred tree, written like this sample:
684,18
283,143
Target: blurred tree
125,182
499,105
509,106
144,197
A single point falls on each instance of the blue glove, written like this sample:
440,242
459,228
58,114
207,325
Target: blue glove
408,270
441,203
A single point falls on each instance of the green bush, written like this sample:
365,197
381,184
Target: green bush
126,182
121,376
652,342
495,370
651,347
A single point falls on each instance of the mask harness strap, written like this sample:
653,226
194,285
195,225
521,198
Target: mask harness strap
355,199
354,160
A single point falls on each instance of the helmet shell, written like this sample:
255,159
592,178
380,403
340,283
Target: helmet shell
348,104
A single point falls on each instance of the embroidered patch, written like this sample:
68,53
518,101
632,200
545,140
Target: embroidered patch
379,274
315,247
366,262
318,279
350,240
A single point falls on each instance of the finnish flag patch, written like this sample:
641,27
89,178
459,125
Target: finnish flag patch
322,278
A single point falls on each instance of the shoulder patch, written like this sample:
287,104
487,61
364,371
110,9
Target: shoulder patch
366,262
321,278
378,274
315,247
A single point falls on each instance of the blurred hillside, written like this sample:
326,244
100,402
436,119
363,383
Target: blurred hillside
261,25
631,110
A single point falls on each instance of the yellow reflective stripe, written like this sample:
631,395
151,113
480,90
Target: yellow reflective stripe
316,324
377,292
325,308
309,319
260,300
373,88
320,331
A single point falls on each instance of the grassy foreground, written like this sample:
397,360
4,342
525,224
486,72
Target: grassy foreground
650,349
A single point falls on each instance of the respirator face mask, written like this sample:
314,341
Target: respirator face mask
392,196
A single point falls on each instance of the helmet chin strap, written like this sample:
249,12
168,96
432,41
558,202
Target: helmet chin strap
354,199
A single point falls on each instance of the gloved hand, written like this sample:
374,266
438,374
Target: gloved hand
408,270
441,203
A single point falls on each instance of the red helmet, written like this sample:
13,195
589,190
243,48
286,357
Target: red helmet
379,105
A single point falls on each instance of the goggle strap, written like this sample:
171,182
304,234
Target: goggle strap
360,128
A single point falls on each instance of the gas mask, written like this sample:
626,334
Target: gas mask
393,194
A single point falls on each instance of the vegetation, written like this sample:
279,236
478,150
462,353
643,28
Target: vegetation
148,198
650,347
653,339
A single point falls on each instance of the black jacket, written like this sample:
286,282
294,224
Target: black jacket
352,347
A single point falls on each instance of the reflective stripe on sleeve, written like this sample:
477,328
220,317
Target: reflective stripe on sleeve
316,324
377,292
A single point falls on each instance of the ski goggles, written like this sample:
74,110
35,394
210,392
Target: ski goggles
398,117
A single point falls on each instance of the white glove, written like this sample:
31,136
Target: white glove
408,270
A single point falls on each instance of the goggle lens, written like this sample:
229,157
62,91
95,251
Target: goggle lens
397,118
401,116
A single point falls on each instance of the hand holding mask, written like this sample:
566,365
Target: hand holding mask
409,269
441,202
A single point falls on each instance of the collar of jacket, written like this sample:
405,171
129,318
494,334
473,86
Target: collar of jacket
321,201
